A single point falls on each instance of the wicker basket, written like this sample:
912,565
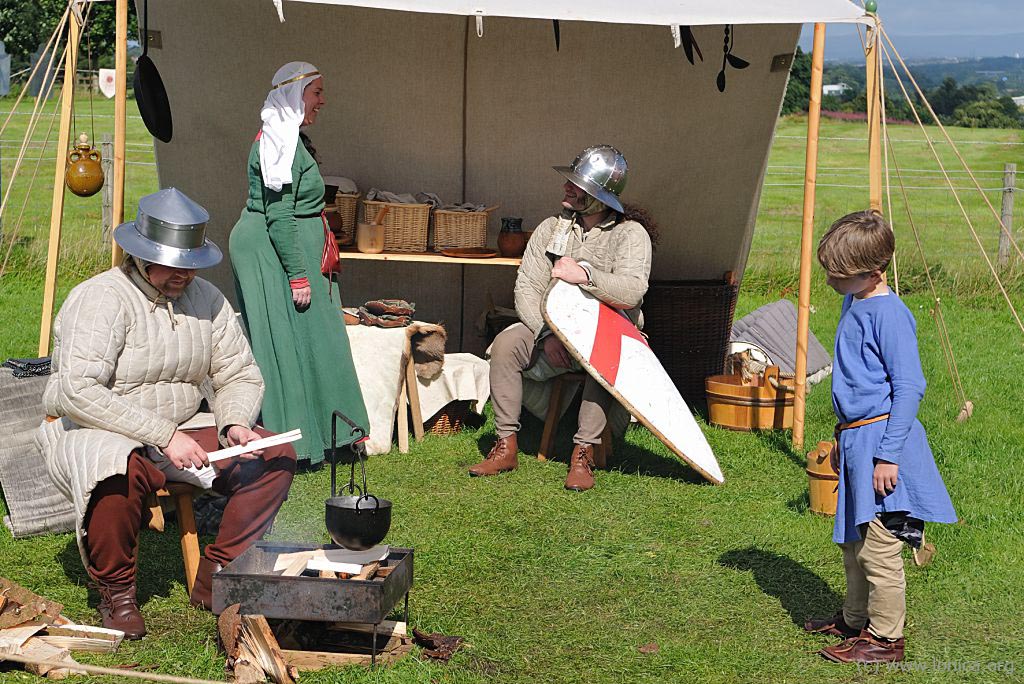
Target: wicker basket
689,324
461,228
450,419
347,207
405,226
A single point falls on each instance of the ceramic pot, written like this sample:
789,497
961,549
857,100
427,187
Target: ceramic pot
84,175
370,238
511,238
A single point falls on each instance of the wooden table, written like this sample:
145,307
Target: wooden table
435,258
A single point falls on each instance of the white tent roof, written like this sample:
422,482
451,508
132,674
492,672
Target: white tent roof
656,12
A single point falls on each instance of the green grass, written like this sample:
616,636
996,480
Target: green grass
551,586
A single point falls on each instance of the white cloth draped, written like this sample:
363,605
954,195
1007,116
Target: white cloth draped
282,115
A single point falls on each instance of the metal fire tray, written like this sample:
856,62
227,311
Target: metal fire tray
250,581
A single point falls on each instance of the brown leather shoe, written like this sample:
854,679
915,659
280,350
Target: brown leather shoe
202,590
833,626
500,459
865,649
119,610
581,468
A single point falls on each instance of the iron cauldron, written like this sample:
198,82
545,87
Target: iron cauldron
357,520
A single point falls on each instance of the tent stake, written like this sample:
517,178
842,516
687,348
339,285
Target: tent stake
120,111
807,237
57,206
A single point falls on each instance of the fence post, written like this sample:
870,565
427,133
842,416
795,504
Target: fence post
1009,186
107,154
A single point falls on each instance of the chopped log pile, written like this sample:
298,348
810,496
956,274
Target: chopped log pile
32,628
278,650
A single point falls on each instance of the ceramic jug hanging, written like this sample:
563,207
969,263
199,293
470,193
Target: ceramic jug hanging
511,238
84,175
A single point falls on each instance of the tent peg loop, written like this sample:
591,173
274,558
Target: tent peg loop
479,23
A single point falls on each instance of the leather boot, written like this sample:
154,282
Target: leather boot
119,609
202,590
833,626
500,459
865,649
581,468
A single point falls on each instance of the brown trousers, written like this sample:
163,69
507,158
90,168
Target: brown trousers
515,351
255,490
876,588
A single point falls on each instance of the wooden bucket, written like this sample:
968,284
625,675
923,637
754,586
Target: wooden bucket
765,405
822,483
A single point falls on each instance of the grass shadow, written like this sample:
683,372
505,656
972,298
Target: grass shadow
781,441
801,592
160,564
630,459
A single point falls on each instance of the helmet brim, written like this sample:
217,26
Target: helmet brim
133,242
591,188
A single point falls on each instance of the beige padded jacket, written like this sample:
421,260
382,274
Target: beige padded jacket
619,255
130,367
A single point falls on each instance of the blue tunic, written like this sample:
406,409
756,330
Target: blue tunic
876,371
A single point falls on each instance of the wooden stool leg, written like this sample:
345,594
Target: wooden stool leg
403,420
189,537
413,392
156,513
547,438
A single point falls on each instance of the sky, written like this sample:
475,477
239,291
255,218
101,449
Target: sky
920,18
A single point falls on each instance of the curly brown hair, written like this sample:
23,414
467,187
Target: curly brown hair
856,244
634,212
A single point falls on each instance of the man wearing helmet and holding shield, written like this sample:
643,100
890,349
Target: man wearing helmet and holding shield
135,351
594,243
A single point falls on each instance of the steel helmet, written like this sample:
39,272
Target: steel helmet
600,171
170,229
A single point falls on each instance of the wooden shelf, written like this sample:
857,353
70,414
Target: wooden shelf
428,257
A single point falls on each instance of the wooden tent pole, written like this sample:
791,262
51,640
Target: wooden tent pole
874,115
57,206
807,237
120,122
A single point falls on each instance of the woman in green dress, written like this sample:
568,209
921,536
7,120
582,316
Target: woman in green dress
295,325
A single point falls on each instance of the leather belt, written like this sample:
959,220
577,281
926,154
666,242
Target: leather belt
859,423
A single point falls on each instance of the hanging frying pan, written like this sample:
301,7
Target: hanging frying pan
149,89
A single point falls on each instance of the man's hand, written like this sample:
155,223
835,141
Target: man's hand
184,452
301,297
556,352
241,435
568,270
885,478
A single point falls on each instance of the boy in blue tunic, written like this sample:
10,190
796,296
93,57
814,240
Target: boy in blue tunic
888,482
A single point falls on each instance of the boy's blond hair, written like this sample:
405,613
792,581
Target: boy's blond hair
856,244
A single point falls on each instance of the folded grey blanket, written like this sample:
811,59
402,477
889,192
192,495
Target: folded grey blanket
772,328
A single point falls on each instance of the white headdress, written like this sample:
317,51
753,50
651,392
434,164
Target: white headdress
283,112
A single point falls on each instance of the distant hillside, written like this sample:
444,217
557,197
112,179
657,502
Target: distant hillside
1005,73
842,45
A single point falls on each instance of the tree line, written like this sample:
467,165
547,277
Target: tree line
978,105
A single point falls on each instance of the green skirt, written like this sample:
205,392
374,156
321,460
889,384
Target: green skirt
304,356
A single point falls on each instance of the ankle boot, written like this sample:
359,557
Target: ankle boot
833,626
500,459
865,649
119,609
581,468
202,590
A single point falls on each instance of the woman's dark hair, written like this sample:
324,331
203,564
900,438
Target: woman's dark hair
308,144
637,213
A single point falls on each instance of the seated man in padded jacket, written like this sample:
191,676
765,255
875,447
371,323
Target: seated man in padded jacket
591,243
136,349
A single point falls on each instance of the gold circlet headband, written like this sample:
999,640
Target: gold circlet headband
296,78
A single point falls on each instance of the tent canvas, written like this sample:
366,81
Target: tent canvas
418,101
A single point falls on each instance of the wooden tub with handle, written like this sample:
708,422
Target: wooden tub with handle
765,404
